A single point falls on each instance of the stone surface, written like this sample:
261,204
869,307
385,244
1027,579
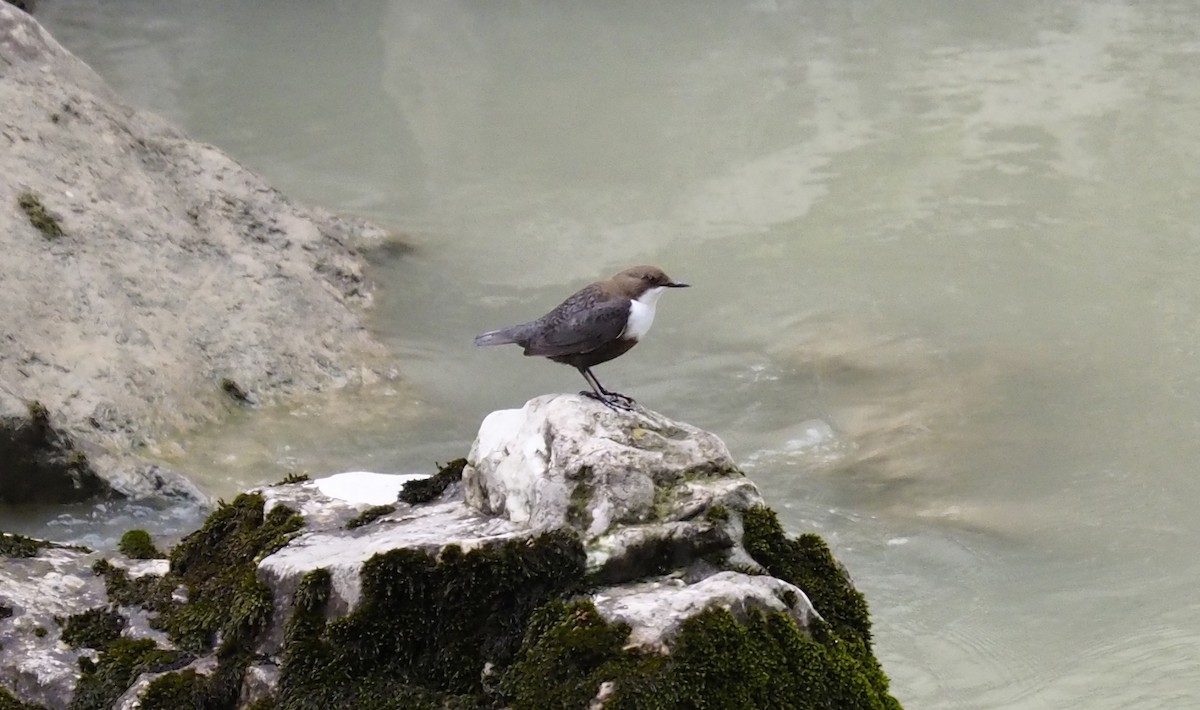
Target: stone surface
181,286
56,583
632,483
329,503
567,460
656,609
132,698
261,680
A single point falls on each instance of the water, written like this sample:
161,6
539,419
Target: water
944,256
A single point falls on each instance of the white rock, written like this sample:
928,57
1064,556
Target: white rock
56,583
365,486
655,610
569,460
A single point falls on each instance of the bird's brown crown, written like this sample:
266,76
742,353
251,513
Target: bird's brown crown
636,280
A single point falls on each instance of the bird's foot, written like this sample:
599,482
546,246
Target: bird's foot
612,400
625,399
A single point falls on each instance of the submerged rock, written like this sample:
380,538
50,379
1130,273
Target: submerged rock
150,284
499,591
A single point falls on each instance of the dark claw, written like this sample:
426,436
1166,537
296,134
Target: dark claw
614,401
624,398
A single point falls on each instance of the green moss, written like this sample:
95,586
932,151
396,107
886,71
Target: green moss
426,489
425,626
217,565
293,477
807,562
717,514
121,662
137,545
579,513
234,391
38,216
369,515
13,545
39,416
151,592
568,651
176,691
94,628
716,662
40,632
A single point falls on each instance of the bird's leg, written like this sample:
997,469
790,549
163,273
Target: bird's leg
612,399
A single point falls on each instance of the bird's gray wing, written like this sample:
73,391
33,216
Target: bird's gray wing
569,330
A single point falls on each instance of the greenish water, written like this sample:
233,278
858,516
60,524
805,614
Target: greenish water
944,257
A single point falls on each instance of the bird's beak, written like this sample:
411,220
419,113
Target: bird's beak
676,284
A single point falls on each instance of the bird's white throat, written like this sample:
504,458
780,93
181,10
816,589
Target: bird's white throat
641,313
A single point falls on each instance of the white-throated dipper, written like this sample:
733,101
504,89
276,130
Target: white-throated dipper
596,324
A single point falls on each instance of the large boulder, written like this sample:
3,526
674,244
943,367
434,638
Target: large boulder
491,584
634,484
149,283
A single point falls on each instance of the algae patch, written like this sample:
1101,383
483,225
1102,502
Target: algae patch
137,545
426,489
369,515
38,216
14,545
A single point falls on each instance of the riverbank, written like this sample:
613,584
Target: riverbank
151,285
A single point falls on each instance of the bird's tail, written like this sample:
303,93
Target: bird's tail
498,337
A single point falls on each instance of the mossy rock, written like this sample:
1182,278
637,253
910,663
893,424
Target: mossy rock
117,667
216,565
14,545
807,562
716,662
137,545
425,627
500,625
94,628
180,690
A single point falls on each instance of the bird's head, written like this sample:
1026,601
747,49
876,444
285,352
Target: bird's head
639,280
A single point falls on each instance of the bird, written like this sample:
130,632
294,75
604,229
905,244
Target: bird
597,323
